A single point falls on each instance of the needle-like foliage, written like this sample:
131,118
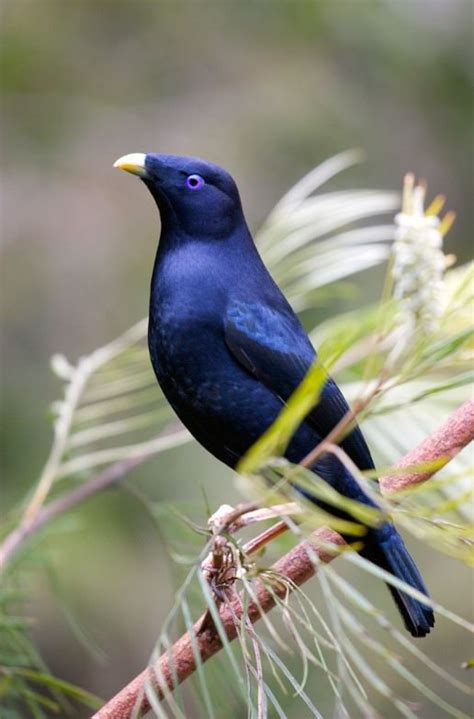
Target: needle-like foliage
399,362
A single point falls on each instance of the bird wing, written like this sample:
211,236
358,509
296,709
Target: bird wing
272,346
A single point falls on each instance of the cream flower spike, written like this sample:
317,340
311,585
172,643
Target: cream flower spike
418,258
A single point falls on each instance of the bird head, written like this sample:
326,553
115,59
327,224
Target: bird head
195,198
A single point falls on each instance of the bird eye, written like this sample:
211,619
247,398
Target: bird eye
194,182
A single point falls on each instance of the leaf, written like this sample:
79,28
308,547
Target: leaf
273,443
66,688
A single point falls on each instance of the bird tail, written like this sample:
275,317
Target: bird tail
385,548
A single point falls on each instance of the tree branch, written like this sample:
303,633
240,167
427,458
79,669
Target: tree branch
441,446
180,661
298,565
103,480
32,521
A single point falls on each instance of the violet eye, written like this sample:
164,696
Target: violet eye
194,182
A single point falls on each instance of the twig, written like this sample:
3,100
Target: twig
441,446
230,519
31,521
257,543
179,662
223,520
78,378
62,504
343,426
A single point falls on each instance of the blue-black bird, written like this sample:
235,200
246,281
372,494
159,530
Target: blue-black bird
228,350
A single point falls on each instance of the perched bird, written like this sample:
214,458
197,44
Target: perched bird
228,350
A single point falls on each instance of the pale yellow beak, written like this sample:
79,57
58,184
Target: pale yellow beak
133,163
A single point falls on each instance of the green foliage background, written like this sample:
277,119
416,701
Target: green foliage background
265,89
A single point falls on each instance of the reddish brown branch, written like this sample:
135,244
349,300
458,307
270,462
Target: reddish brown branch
441,446
297,566
180,660
265,537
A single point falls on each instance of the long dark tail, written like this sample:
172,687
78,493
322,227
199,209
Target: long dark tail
385,548
382,546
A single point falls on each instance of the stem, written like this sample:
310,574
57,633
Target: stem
62,427
256,544
105,479
74,390
178,663
440,447
53,509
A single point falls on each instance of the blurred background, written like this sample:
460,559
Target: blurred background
266,89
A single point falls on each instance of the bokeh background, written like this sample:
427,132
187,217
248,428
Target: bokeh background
266,89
